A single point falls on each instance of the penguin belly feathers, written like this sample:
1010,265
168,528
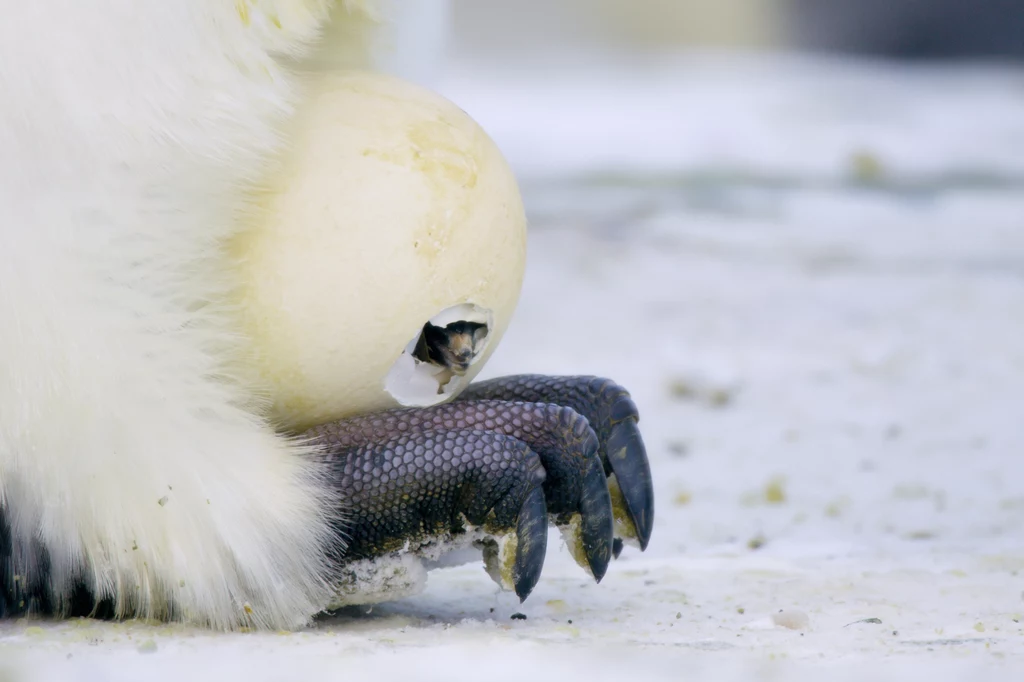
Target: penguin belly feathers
162,168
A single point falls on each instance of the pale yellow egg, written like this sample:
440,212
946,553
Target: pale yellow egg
392,208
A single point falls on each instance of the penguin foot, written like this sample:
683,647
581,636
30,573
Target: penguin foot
503,460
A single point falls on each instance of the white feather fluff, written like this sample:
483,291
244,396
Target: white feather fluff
131,134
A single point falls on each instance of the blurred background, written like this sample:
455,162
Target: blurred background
899,29
920,89
794,229
893,28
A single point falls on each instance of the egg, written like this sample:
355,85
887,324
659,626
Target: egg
391,209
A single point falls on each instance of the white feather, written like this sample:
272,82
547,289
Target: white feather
131,134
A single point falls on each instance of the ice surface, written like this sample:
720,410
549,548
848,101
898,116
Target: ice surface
830,376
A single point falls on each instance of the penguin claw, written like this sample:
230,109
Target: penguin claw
614,418
531,544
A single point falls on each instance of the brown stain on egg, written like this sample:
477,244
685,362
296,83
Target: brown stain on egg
446,158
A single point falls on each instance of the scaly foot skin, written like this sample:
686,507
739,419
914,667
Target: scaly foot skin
508,456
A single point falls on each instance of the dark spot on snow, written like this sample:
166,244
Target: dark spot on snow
518,616
678,448
690,390
931,643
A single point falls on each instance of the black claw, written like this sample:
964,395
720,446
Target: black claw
531,543
612,414
628,460
598,522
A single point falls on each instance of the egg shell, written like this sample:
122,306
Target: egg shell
391,207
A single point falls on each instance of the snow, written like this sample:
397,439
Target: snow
827,358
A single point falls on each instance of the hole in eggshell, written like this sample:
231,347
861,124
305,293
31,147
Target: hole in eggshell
420,377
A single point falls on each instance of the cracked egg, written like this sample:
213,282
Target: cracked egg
388,253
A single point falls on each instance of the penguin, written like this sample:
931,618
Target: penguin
185,188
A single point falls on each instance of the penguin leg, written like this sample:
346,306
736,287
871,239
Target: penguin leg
508,457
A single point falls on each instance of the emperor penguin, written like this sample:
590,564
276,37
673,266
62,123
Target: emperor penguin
155,452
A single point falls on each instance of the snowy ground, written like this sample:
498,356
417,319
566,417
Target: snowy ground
813,283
